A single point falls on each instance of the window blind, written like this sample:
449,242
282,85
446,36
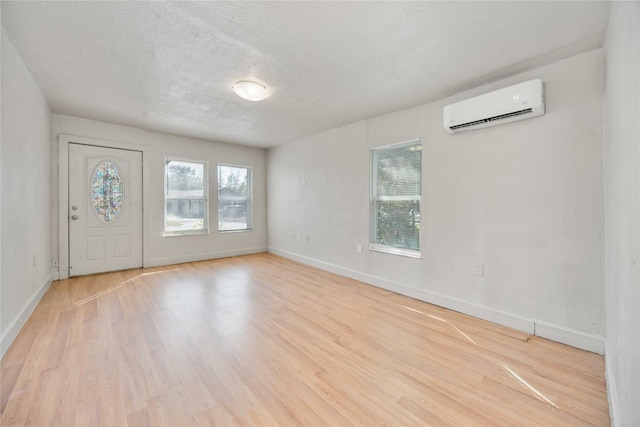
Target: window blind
396,194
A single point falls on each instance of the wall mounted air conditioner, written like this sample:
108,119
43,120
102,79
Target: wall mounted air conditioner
513,103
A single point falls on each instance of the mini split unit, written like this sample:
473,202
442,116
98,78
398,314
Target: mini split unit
513,103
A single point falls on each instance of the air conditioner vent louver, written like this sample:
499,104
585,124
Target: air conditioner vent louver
513,103
492,119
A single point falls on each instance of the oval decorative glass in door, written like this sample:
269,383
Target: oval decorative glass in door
107,192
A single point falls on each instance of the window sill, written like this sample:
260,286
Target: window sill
242,230
185,233
396,251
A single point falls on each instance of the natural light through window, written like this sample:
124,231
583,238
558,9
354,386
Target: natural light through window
396,184
185,197
234,198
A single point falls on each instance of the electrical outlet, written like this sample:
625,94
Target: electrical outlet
54,263
359,248
478,269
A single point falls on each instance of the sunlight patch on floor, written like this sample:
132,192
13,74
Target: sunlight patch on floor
115,288
529,387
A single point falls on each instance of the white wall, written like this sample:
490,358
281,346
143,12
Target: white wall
159,250
525,199
622,213
26,195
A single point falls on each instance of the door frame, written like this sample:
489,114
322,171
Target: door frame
63,192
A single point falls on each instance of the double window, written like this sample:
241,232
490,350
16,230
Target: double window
396,184
185,196
234,198
186,207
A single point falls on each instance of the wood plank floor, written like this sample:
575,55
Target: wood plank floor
261,340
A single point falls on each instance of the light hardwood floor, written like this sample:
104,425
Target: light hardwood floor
261,340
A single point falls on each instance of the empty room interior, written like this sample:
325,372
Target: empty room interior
320,213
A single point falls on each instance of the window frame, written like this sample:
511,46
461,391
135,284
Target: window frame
374,199
249,198
205,197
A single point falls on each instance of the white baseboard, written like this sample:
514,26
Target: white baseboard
11,332
574,338
157,262
612,390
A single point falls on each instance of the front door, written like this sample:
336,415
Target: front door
105,209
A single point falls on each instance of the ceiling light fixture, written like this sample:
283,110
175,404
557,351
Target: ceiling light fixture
250,90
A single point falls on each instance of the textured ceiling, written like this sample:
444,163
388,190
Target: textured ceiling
169,66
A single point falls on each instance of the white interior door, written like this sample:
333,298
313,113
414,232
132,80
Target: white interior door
105,209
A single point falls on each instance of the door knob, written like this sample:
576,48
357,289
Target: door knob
74,217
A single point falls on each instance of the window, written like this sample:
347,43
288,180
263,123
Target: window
185,197
396,184
234,198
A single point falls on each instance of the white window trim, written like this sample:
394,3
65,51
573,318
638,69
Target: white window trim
395,251
205,225
250,199
376,247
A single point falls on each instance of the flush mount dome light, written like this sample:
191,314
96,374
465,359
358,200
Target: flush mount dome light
250,90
